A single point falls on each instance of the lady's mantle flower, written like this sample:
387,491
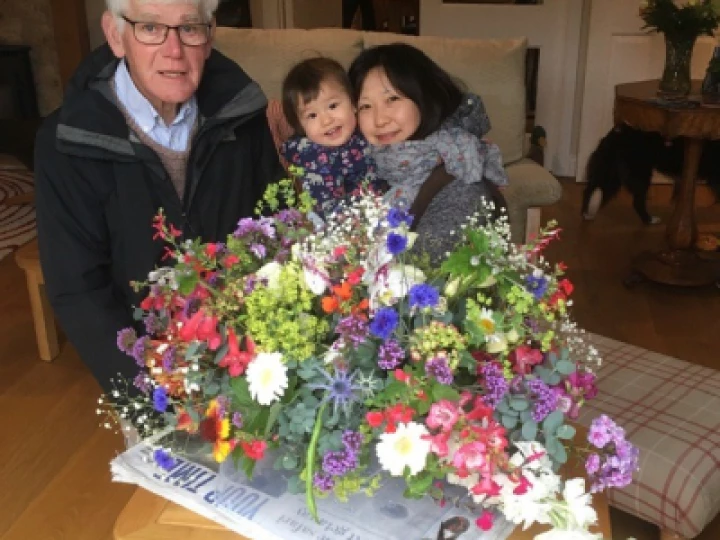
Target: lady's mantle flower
384,323
267,378
408,446
423,296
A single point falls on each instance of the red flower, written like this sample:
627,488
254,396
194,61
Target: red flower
485,521
202,328
355,276
522,487
401,376
236,360
255,449
375,419
523,358
231,260
566,287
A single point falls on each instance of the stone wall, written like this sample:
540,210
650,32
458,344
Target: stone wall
29,22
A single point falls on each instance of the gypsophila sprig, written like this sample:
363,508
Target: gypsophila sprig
326,343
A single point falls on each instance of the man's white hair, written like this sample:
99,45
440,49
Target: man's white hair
206,7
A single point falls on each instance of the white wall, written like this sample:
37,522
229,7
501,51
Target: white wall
555,28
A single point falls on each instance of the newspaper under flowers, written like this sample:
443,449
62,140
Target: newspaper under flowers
354,360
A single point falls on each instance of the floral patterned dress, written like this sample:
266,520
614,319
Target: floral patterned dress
330,173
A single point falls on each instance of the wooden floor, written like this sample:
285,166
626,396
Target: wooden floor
54,475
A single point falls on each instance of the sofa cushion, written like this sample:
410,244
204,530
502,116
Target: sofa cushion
494,69
529,185
267,55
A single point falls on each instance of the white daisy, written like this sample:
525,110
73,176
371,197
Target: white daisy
267,377
404,448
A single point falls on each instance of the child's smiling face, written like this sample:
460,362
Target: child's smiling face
329,119
385,116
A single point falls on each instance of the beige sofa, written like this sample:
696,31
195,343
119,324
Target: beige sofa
492,68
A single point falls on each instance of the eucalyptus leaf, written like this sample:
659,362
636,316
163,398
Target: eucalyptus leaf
560,454
503,407
508,421
289,462
551,445
529,430
553,379
565,367
544,373
525,415
519,404
565,432
553,358
221,352
552,422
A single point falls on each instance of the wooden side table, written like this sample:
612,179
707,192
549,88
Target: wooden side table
637,105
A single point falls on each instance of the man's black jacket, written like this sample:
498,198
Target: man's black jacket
98,188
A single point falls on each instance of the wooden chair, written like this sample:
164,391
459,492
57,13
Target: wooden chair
28,258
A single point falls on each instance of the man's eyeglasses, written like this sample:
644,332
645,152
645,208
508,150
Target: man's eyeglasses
152,33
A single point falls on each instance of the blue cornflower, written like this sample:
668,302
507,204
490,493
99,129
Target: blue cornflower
537,285
340,389
397,217
384,323
423,295
163,459
396,243
160,399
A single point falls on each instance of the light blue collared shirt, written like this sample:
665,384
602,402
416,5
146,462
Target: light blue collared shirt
175,136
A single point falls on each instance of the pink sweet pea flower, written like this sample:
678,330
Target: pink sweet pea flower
470,456
443,414
438,443
486,486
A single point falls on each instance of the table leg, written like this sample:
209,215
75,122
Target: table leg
682,229
681,265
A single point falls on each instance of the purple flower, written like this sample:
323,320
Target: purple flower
438,368
592,464
142,382
353,329
599,434
258,250
339,463
324,482
396,243
168,359
160,399
384,323
546,399
138,351
352,440
163,459
390,354
423,295
537,285
496,386
244,227
237,420
266,227
396,217
126,339
289,216
340,389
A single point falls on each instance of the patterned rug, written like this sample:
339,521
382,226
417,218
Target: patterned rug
17,222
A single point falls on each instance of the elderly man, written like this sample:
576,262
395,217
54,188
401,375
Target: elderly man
154,119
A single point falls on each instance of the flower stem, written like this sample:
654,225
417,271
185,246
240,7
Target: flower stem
310,464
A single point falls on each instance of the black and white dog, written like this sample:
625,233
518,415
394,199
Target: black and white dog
626,158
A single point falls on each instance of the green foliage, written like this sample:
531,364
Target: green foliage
689,21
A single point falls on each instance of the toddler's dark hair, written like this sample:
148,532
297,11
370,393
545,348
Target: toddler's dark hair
416,76
302,85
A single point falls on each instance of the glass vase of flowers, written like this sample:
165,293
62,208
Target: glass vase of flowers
681,24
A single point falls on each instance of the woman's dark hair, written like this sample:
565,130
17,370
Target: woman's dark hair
414,75
302,85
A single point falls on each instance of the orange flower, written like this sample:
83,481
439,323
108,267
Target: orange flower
330,304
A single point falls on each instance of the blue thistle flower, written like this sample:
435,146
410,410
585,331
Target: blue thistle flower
340,389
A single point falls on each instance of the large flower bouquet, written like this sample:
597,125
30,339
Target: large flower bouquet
338,346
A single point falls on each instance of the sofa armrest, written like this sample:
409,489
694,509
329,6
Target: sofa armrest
530,186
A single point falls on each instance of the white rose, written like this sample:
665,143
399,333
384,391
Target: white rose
316,279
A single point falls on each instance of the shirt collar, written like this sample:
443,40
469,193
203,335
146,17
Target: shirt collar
140,108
